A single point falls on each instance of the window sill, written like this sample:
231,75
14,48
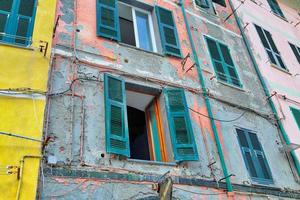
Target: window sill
283,18
280,69
17,46
173,164
139,49
262,182
232,86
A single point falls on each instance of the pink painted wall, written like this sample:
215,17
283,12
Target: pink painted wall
282,82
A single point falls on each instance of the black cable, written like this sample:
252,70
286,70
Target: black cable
220,120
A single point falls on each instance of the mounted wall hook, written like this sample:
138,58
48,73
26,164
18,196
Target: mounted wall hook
184,60
44,47
190,68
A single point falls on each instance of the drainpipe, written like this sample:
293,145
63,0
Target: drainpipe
262,81
207,102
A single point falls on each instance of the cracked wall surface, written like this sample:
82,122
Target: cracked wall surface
76,125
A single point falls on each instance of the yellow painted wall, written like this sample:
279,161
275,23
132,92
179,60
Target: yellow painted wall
24,68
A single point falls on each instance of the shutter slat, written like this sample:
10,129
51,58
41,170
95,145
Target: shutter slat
117,139
108,19
168,32
182,136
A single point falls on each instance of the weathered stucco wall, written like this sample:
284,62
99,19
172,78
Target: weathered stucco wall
76,123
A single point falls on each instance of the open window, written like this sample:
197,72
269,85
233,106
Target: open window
134,23
136,27
134,124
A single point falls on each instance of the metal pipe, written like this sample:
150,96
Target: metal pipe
207,102
21,173
265,88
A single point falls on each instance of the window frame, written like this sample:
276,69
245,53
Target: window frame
11,26
251,150
150,23
226,74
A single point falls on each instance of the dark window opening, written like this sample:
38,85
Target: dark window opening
220,2
127,31
138,137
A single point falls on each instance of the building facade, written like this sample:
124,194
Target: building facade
144,90
26,29
275,50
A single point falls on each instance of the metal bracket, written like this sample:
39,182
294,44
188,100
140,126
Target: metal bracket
44,47
184,60
190,68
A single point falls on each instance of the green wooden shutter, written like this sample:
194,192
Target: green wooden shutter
296,51
222,62
116,126
296,114
202,3
168,32
220,2
181,131
254,156
108,19
275,8
270,47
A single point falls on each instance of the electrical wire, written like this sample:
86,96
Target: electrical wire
220,120
200,193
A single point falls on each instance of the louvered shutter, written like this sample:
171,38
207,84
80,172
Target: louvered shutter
229,66
296,114
116,126
216,59
168,32
108,19
270,47
254,156
202,3
182,136
223,63
296,51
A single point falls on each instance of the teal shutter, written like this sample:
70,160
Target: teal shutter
296,114
223,63
296,51
181,131
275,8
254,156
202,3
108,19
220,2
270,47
116,126
168,32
